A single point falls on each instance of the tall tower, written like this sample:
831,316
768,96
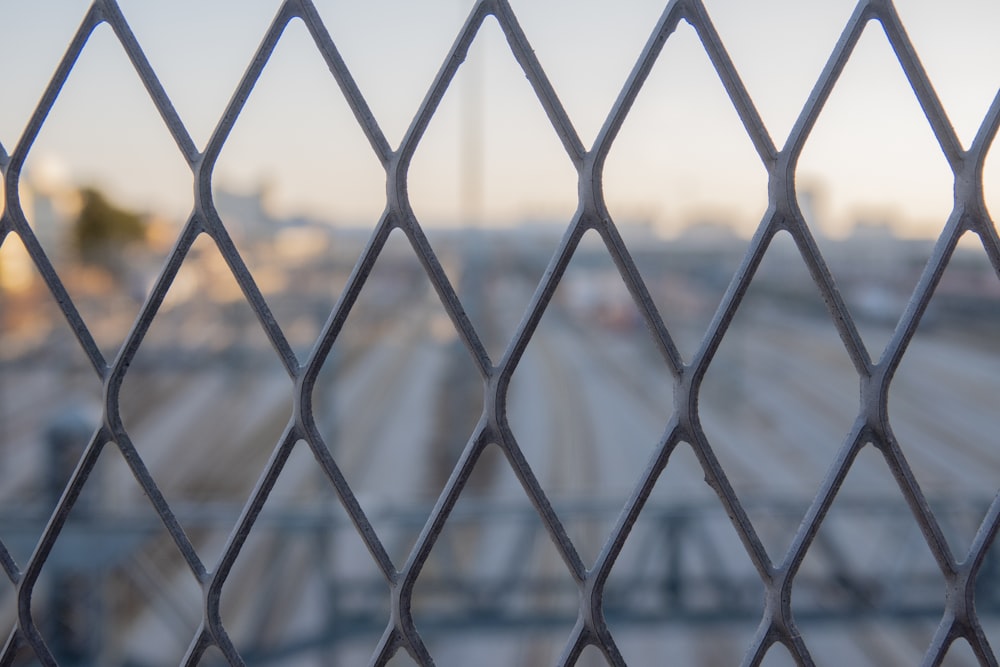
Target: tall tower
471,148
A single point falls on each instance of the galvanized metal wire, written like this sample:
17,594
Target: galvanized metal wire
871,428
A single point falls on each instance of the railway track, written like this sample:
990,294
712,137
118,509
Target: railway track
588,415
786,454
205,435
353,420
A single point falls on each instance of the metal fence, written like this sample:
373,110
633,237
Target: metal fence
872,427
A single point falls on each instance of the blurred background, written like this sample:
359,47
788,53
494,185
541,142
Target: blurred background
106,192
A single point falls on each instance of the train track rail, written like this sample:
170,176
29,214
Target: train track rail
591,416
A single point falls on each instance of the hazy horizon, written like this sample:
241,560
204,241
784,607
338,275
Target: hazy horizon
682,153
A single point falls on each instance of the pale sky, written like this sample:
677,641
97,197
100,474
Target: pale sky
682,153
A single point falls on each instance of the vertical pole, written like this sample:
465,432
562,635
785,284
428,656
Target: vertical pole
471,148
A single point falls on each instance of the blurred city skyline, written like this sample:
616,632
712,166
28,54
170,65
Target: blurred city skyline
682,156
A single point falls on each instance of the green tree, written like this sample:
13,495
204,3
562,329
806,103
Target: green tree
102,229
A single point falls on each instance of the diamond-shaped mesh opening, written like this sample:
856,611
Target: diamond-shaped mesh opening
376,425
880,157
779,396
591,396
947,427
205,387
867,546
106,247
133,589
490,158
659,176
295,173
493,561
490,149
869,173
683,584
101,589
316,584
104,91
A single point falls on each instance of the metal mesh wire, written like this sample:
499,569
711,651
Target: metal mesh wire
871,427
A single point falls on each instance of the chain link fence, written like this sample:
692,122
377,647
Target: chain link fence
777,573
